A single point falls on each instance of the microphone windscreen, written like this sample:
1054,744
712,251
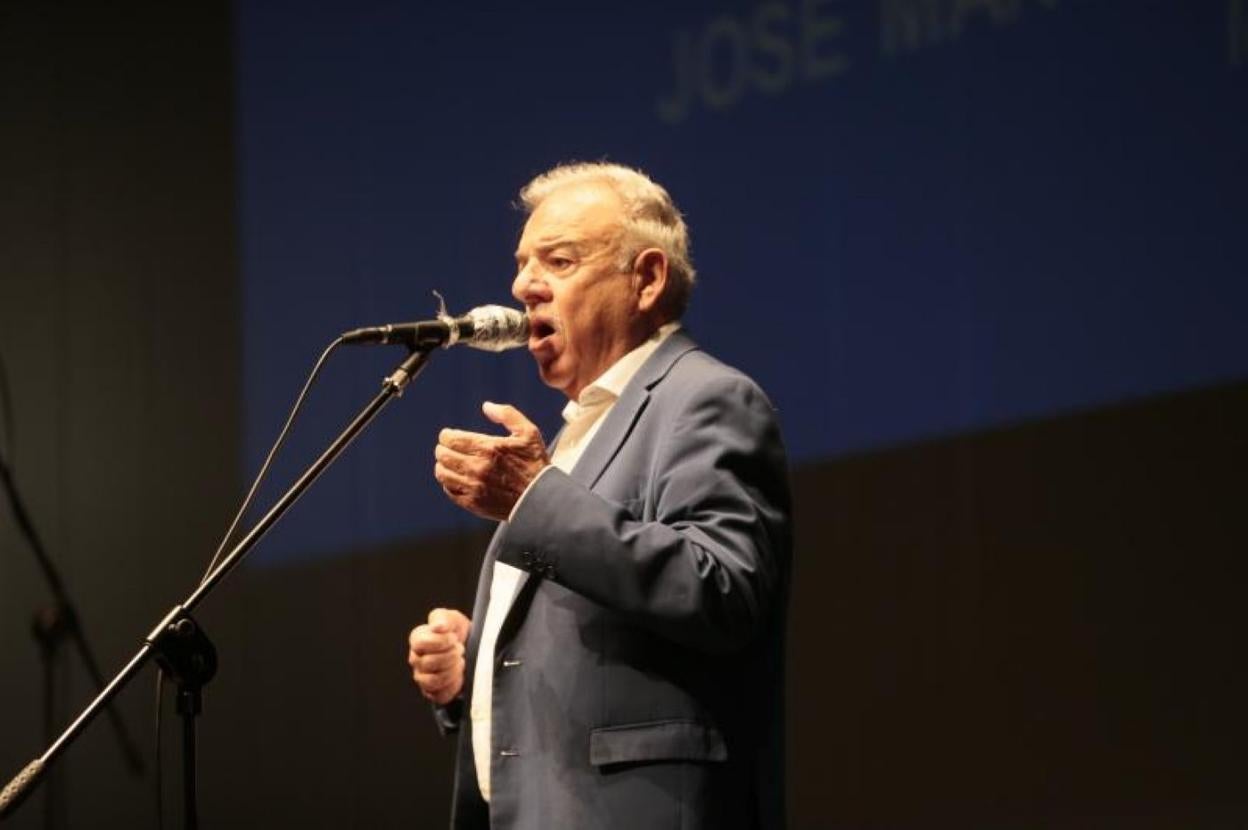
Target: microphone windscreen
496,328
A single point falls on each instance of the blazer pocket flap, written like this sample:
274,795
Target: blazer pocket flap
672,740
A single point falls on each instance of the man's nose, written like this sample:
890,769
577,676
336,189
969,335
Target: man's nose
530,287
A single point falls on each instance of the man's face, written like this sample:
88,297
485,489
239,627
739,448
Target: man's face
582,310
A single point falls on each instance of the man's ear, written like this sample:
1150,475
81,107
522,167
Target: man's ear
650,279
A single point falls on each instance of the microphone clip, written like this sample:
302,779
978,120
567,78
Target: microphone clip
443,316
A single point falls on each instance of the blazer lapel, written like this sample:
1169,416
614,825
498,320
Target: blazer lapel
620,420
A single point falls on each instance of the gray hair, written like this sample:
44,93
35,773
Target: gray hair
651,219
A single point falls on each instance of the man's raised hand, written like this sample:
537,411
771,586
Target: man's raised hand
487,474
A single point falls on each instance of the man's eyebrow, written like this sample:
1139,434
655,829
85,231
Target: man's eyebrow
546,245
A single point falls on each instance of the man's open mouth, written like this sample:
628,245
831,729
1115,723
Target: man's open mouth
540,329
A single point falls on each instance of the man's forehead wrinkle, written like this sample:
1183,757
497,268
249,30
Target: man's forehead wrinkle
560,241
549,242
580,239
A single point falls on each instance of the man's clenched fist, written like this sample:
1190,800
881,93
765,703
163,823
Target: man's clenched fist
436,654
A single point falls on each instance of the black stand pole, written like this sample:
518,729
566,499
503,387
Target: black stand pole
189,706
188,658
49,631
51,627
26,780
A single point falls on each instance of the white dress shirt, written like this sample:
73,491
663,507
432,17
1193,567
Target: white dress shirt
582,419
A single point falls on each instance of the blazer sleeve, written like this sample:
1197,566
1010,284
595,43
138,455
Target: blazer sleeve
449,717
704,562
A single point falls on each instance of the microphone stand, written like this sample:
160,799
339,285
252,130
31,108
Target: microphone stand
179,643
51,626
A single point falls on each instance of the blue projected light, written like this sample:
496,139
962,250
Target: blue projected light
909,218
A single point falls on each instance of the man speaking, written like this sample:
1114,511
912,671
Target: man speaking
624,663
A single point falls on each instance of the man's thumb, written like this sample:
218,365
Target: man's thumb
446,620
507,416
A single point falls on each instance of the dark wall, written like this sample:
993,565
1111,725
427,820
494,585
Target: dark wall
118,325
1033,627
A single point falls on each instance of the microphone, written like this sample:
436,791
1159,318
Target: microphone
494,328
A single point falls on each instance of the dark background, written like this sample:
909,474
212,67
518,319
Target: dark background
1036,624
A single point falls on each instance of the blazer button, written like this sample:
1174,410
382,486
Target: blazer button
526,558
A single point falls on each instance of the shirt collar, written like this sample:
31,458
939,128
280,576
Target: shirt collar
610,384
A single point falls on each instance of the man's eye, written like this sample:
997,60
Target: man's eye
559,263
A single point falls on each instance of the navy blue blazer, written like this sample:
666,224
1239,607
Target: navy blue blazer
638,677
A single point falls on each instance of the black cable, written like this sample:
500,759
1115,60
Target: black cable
264,468
255,485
